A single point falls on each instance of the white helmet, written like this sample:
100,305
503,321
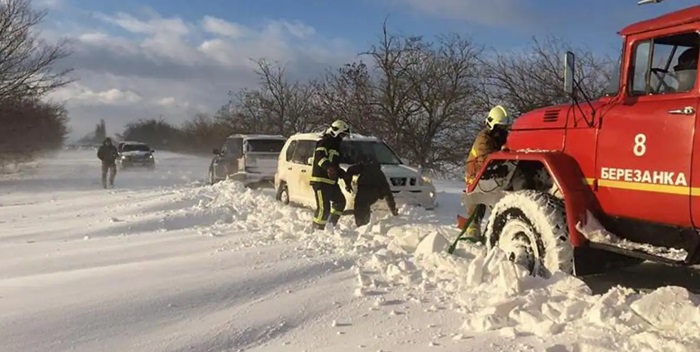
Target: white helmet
338,127
498,116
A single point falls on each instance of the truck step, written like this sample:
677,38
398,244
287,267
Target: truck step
638,253
600,238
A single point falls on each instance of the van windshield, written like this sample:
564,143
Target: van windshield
352,152
264,145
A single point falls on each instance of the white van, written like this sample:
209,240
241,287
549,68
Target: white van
250,159
294,172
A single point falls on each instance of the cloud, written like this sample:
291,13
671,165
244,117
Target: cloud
221,27
79,95
130,66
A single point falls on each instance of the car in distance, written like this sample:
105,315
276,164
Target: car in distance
135,154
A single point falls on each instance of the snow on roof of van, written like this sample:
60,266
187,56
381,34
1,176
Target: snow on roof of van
352,136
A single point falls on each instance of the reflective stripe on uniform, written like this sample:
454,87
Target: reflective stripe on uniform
336,212
323,149
473,152
323,180
319,213
332,153
320,162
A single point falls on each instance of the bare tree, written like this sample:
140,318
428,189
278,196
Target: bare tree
30,127
532,79
445,82
286,105
348,94
391,57
26,62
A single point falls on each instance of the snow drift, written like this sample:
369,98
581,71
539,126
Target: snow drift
409,253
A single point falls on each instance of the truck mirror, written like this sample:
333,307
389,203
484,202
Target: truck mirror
569,69
310,161
404,161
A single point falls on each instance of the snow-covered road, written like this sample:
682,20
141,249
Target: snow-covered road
164,262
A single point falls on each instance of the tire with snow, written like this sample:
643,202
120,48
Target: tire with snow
530,227
283,194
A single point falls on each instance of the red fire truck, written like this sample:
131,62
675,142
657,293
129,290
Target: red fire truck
592,184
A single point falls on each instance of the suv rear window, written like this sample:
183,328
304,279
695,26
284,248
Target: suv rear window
264,145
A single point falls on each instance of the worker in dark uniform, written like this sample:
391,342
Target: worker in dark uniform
489,140
372,186
325,173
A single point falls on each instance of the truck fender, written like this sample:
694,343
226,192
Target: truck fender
579,199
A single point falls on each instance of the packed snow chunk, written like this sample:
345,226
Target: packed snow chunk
485,322
670,308
406,238
509,278
433,243
475,271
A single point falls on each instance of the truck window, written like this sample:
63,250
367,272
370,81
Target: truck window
614,84
264,145
665,65
233,147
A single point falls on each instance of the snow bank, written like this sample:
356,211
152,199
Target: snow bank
409,253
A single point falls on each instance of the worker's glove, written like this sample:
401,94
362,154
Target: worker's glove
332,172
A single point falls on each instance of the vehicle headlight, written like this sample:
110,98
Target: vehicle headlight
150,156
426,180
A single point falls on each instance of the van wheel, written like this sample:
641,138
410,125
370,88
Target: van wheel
212,180
283,194
530,227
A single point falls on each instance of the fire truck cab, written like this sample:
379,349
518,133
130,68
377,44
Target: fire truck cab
616,180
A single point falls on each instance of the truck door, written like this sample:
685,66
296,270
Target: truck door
644,144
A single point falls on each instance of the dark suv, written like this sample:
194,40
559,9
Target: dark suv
135,154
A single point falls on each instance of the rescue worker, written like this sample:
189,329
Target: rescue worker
686,69
372,185
325,173
489,140
107,153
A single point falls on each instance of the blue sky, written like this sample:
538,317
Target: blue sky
144,58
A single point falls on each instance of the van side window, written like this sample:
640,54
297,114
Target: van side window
665,65
304,151
290,150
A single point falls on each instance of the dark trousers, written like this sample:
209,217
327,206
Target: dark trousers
112,169
364,199
330,204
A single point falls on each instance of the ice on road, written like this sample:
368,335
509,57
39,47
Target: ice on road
164,262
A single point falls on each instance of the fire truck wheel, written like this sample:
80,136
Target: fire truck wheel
530,227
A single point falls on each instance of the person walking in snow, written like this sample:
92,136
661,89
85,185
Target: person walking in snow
372,185
490,139
108,154
325,173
